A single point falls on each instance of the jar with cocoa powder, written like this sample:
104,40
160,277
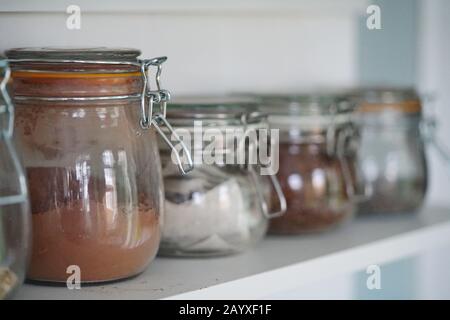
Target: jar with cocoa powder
391,156
223,206
86,125
15,227
316,166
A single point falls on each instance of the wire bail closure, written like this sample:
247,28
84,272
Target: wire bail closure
336,144
6,136
8,107
352,183
273,179
260,193
157,118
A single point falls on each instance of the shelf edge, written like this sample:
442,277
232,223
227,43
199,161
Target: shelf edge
358,258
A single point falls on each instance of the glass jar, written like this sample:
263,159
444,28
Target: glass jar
315,159
222,207
15,227
86,121
391,156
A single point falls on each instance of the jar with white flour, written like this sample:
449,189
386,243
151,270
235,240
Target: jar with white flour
222,206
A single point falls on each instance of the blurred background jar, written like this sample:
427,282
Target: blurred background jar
86,126
223,205
316,163
391,155
15,227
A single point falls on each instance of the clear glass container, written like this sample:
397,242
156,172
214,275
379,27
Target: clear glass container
317,166
86,126
222,207
15,227
391,155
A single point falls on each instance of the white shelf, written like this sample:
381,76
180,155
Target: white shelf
277,264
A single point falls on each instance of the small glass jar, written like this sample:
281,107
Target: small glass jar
391,155
15,226
85,127
222,207
316,164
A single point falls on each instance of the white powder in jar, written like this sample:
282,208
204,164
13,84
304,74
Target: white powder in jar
219,218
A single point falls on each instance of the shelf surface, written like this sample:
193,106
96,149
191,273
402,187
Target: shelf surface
276,264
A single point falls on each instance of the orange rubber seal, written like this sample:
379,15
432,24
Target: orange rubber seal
412,106
78,75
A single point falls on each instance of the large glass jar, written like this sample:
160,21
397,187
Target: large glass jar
15,227
391,155
86,121
315,159
222,207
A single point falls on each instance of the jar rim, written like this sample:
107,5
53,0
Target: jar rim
386,94
220,110
74,53
69,62
306,105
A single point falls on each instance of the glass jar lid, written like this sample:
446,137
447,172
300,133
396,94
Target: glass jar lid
74,60
219,111
405,100
68,53
306,110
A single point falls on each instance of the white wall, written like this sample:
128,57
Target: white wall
272,47
434,77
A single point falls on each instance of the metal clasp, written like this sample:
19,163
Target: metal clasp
350,180
150,116
428,129
336,144
8,108
252,150
157,121
6,135
330,134
150,97
260,193
428,134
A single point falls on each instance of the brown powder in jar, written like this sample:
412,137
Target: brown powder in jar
307,219
314,187
105,241
399,196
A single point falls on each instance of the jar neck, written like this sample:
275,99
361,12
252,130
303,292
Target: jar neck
33,83
332,141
